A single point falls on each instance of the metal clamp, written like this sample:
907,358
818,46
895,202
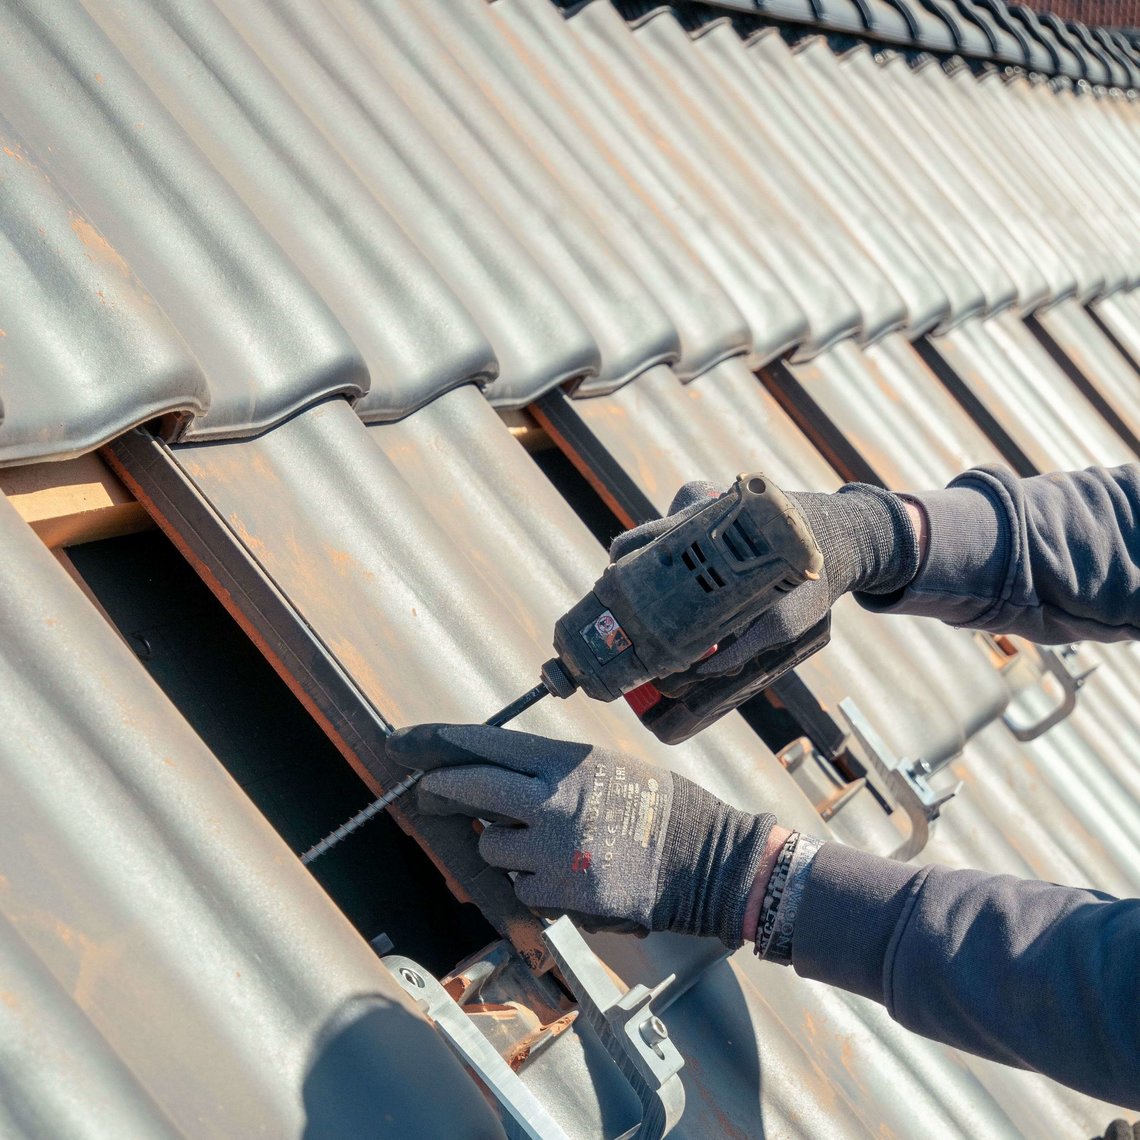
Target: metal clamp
522,1113
818,777
636,1038
1044,682
908,781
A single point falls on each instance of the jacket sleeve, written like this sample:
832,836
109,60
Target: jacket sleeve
1027,973
1053,558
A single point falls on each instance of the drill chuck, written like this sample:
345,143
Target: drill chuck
558,682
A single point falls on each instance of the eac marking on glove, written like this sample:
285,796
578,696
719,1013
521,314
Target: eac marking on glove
647,811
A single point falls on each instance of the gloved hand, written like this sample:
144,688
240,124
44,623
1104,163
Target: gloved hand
615,842
868,542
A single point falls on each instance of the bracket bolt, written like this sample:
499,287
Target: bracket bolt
411,977
653,1030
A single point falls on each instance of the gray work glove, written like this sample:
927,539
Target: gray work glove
868,544
617,843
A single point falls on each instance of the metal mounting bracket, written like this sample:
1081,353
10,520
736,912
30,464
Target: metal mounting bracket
818,777
636,1038
523,1115
1044,682
909,781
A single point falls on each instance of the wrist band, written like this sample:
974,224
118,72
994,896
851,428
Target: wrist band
777,945
773,892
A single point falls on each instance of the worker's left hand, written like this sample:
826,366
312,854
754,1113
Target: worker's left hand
616,842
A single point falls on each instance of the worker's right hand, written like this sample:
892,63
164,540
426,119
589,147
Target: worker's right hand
616,842
869,544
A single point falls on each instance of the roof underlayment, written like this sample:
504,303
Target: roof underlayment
286,261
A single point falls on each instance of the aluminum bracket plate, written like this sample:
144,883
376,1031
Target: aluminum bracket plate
523,1115
636,1038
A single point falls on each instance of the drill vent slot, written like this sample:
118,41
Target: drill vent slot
708,577
741,544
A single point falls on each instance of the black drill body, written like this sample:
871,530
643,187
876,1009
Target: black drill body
665,605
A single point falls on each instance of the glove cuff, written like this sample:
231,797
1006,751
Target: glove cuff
867,538
710,857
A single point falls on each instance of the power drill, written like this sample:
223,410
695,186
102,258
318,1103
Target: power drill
680,598
670,603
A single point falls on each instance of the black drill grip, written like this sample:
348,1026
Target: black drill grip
692,705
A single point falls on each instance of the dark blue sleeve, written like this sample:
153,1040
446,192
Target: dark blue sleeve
1027,973
1053,558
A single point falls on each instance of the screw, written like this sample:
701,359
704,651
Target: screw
411,977
653,1030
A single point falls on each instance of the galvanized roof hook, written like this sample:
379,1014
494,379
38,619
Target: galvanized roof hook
634,1036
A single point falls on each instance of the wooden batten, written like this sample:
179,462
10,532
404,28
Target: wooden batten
73,501
525,428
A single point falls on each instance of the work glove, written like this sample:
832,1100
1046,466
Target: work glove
615,842
868,543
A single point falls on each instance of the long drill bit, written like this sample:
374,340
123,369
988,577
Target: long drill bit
505,714
361,818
